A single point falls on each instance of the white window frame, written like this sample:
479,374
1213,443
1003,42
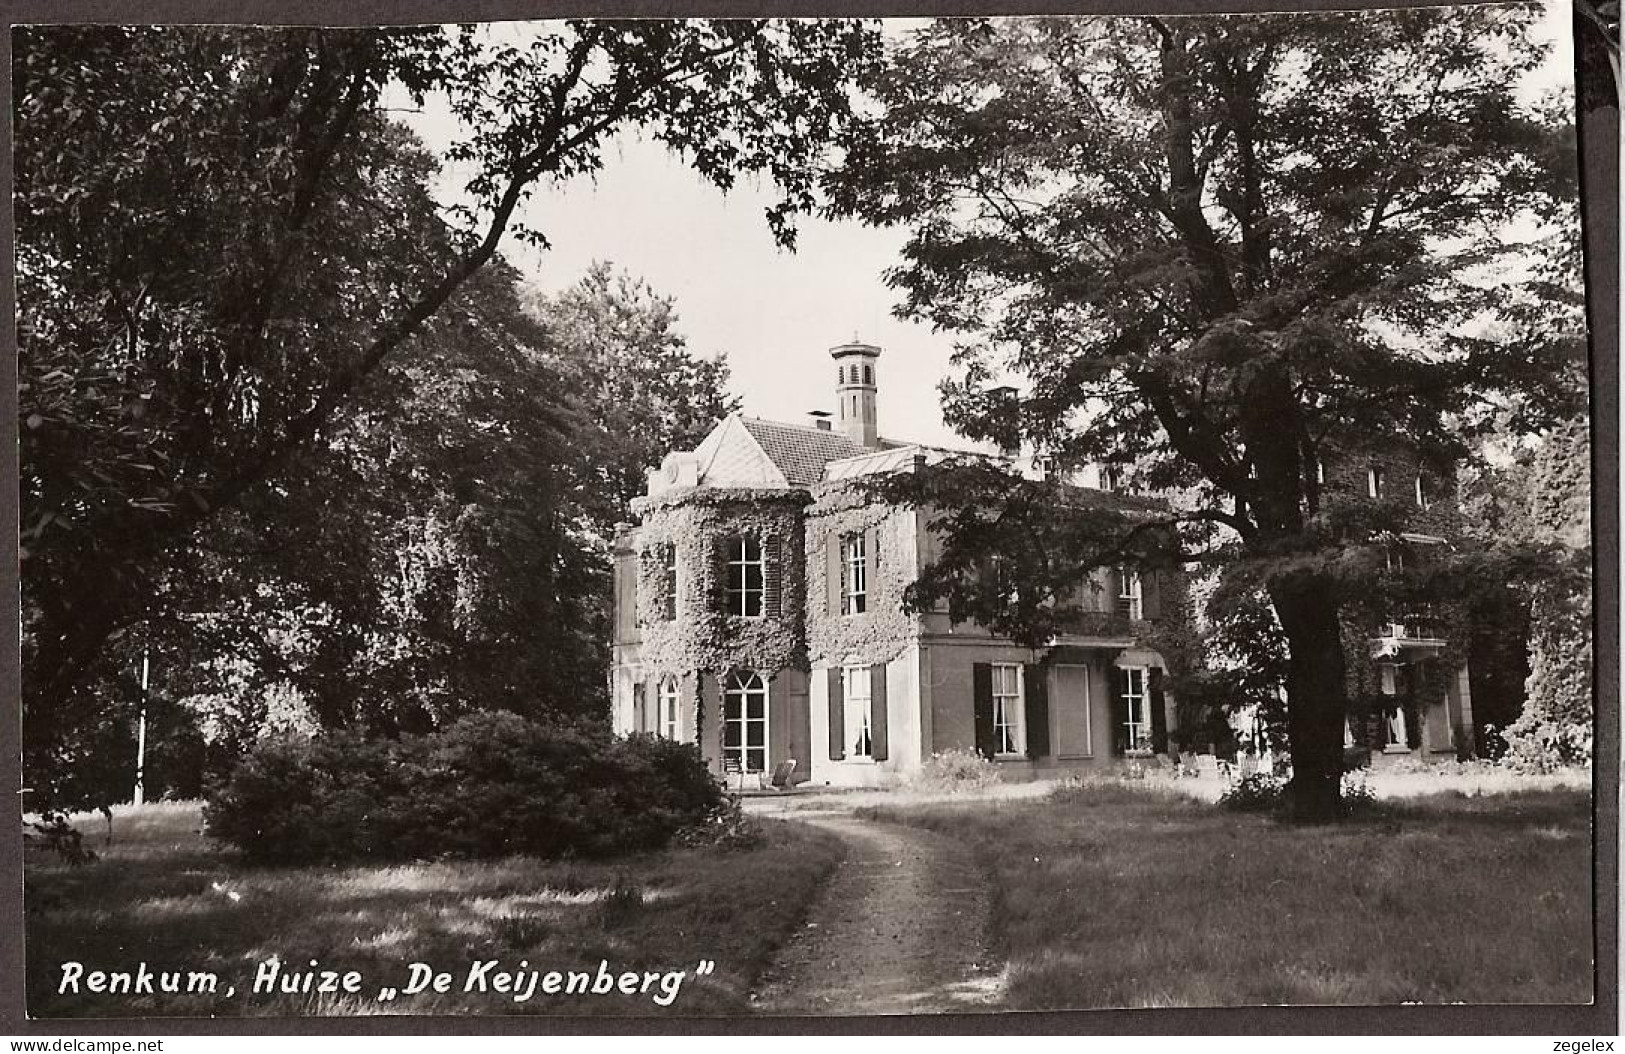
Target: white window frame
1137,703
1009,711
1398,734
1130,594
857,702
740,564
1422,500
855,569
670,702
738,689
1373,481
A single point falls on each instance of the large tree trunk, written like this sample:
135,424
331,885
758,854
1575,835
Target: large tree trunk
1316,695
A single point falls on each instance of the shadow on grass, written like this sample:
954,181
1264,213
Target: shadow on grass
163,895
1113,895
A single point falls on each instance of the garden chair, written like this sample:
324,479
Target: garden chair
732,768
780,780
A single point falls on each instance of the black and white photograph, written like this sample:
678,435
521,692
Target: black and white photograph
812,517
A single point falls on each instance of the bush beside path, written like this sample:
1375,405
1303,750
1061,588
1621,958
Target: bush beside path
163,894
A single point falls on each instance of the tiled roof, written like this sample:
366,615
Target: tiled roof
875,462
799,452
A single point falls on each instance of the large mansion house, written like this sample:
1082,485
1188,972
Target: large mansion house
758,613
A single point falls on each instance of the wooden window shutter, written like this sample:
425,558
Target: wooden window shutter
688,710
834,576
878,741
640,713
668,599
720,550
871,551
1159,713
1151,594
708,725
837,715
982,687
1035,685
1119,708
772,576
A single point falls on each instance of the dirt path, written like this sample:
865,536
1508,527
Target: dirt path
899,929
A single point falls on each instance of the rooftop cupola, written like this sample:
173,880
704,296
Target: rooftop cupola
855,392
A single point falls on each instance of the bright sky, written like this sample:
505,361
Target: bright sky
771,314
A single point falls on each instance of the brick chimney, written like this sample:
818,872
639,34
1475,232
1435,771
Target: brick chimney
855,392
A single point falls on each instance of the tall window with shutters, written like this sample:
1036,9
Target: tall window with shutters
1007,710
855,574
1130,594
747,577
858,708
1137,709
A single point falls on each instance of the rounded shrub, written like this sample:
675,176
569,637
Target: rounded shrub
490,784
955,771
1259,792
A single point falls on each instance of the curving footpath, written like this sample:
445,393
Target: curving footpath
898,929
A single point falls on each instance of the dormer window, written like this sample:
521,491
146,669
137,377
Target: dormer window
746,577
1374,482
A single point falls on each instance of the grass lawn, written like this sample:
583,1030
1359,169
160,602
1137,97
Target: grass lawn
164,894
1114,896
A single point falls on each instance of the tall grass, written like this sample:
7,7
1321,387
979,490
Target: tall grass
1110,895
163,894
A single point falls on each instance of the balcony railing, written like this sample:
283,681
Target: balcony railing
1415,627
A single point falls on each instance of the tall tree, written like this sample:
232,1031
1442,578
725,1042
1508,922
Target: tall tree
221,236
618,343
1218,248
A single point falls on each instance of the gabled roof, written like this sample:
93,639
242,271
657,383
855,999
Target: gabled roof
800,452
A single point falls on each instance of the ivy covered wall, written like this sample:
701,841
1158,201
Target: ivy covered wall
882,630
697,523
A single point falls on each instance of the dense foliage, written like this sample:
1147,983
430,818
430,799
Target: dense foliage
1556,726
1220,253
283,425
487,785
